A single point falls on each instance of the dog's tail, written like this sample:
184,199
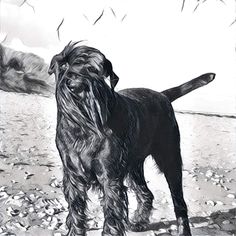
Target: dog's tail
179,91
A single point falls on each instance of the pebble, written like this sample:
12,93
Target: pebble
28,175
173,227
226,188
200,224
160,231
23,214
3,188
53,224
31,209
45,222
57,234
50,211
41,214
12,212
214,226
225,222
228,227
209,173
210,202
219,203
20,226
32,197
18,195
230,195
3,195
15,202
55,183
233,203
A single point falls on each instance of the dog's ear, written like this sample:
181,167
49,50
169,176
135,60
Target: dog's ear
53,68
109,72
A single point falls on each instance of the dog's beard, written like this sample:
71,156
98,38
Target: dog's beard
90,109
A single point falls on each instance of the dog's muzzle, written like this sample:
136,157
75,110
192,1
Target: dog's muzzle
76,85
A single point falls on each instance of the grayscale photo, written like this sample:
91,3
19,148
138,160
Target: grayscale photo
117,118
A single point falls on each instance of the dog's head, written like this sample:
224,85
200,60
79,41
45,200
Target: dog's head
80,73
76,63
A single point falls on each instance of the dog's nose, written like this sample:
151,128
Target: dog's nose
76,85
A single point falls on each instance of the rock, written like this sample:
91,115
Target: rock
209,173
41,214
20,226
228,227
3,188
163,234
219,203
173,228
214,226
160,231
228,180
50,211
15,212
53,224
32,197
55,183
230,195
215,180
23,214
226,188
57,234
225,222
19,195
210,203
222,181
28,175
12,212
8,234
31,209
233,203
45,223
16,202
200,224
3,195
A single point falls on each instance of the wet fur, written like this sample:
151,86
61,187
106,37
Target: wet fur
103,138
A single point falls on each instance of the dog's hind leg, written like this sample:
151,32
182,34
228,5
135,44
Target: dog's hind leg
144,196
168,158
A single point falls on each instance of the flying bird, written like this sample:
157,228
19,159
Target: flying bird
58,29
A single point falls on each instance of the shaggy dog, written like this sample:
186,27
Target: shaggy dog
103,138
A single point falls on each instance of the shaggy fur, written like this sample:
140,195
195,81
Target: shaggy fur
103,138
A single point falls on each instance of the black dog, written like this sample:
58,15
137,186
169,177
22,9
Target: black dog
103,137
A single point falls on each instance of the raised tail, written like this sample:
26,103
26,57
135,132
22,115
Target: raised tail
179,91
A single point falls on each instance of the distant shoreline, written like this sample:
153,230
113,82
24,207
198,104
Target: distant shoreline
220,115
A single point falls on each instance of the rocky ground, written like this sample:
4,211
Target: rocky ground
31,200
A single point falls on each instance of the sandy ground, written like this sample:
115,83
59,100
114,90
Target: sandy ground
31,200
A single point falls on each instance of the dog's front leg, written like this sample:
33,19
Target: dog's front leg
115,208
76,196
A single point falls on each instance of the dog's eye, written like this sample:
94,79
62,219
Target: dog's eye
92,69
71,75
64,67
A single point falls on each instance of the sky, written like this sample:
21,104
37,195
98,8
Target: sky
151,43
